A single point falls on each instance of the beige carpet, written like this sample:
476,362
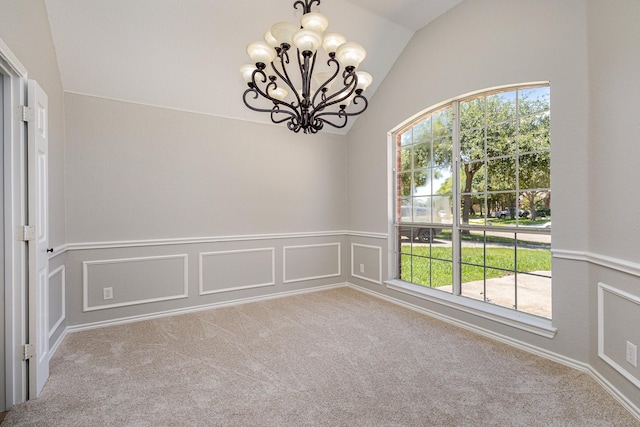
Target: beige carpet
331,358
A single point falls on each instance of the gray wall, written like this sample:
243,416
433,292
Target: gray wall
173,209
24,27
140,172
484,43
614,67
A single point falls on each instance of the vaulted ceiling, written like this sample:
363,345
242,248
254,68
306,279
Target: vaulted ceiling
185,54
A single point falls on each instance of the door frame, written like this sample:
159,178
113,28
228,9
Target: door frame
15,207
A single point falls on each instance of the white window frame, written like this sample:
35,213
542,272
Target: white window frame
517,319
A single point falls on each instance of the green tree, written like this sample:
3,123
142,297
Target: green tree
489,120
497,124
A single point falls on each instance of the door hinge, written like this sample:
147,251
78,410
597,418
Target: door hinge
29,351
26,233
27,114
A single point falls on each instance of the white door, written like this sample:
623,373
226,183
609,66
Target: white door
38,133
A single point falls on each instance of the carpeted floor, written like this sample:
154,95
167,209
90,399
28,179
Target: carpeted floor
331,358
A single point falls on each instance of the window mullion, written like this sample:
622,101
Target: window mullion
455,232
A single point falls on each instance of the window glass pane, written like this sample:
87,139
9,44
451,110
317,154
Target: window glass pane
537,204
472,278
421,271
472,177
501,250
404,161
472,247
406,138
405,209
422,209
442,123
501,174
533,133
441,208
441,273
501,139
441,245
472,145
442,179
534,170
442,151
425,234
404,181
473,210
533,100
404,268
406,236
422,155
505,208
501,107
534,253
534,294
422,131
421,182
472,114
501,288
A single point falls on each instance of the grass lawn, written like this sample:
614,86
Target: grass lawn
509,221
479,238
440,268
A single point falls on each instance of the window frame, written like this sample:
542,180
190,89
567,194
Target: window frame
516,318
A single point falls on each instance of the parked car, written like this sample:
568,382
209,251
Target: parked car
507,213
424,235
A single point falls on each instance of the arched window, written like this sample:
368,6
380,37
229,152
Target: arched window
473,199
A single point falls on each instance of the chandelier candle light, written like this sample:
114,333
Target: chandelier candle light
306,101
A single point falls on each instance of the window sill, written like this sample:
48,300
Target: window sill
523,321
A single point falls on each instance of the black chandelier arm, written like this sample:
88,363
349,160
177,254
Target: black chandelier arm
294,124
342,113
306,76
285,75
275,109
320,89
291,114
334,99
255,94
355,102
265,93
329,122
350,80
306,5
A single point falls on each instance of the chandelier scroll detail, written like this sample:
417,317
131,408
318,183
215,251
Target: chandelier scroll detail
291,82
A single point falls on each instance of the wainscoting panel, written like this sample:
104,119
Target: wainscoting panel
225,271
366,262
311,262
57,284
134,281
618,320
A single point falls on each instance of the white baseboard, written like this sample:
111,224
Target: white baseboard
580,366
58,342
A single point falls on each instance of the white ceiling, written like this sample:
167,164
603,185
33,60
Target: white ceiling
185,54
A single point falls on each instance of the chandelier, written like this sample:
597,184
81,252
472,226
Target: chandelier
296,87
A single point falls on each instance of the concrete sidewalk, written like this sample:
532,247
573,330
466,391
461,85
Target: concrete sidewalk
534,293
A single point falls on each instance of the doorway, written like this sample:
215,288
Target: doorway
13,292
